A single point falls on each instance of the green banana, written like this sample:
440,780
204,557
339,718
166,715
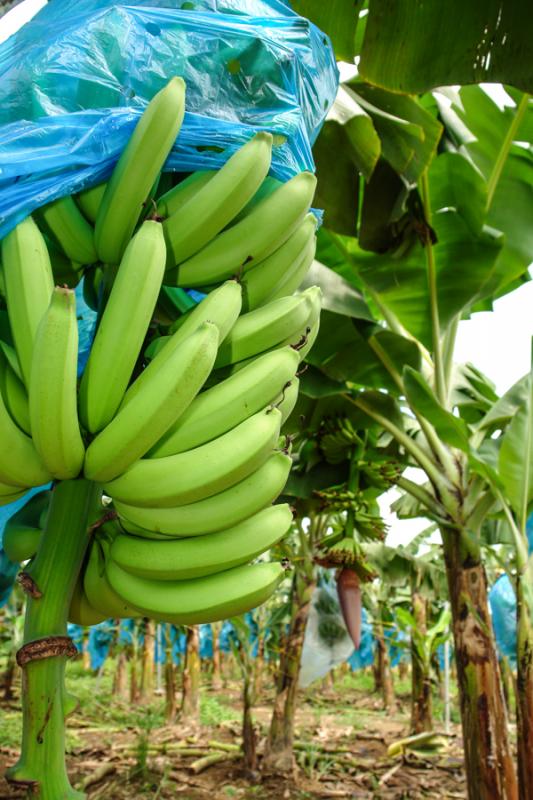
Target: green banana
6,498
122,327
165,394
22,532
266,327
20,463
301,340
288,399
70,229
53,403
96,587
228,403
89,201
288,264
137,169
204,471
81,612
179,195
221,307
251,240
15,395
215,204
296,274
214,513
213,597
268,186
28,285
182,559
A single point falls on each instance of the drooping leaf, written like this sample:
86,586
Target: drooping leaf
383,201
409,134
504,409
456,183
337,18
342,352
451,429
384,405
464,264
482,128
516,458
337,294
338,180
411,46
315,384
362,139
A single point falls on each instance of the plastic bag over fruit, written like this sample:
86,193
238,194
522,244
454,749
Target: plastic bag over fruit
75,79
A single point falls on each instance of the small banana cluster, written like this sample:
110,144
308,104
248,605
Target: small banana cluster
179,424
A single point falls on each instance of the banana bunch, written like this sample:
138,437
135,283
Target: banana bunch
179,409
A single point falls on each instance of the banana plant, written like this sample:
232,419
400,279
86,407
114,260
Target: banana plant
432,247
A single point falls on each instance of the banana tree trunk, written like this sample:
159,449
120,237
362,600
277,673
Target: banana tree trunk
279,750
190,702
147,660
249,743
385,673
421,696
50,581
488,762
120,676
216,679
524,692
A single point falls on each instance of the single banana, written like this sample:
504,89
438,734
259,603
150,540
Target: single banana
288,399
208,599
165,394
123,327
182,559
22,532
15,395
28,285
268,186
251,240
296,274
53,402
179,195
221,307
215,204
20,463
137,169
214,513
81,612
96,587
8,497
70,229
265,327
293,258
202,472
89,201
301,339
228,403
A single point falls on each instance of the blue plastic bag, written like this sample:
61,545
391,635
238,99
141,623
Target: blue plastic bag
502,600
73,85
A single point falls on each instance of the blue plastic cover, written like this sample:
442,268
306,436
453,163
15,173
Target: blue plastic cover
502,601
73,85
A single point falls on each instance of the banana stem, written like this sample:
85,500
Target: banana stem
52,576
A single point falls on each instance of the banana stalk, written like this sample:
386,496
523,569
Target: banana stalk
52,576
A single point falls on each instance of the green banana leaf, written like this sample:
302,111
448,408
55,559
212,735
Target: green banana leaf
411,46
516,458
451,429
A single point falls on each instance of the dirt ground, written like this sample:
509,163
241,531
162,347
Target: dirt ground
116,751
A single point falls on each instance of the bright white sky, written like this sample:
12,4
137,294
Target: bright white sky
497,342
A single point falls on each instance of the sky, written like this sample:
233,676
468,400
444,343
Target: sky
497,342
